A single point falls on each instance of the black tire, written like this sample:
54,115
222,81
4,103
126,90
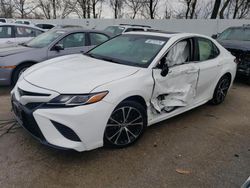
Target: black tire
17,72
126,125
221,90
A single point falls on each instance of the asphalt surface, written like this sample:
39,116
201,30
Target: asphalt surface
206,147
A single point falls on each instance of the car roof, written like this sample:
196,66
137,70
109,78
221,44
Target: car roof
166,34
240,27
131,26
17,24
75,29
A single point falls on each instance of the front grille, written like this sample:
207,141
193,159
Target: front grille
33,105
30,125
28,93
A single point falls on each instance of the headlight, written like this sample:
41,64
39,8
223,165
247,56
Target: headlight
76,100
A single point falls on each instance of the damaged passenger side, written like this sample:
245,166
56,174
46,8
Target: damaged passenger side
175,78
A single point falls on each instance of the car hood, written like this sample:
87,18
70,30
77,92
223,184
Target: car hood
76,74
11,50
235,44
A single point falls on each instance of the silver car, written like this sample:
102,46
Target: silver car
57,42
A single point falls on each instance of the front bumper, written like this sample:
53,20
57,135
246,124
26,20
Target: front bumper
86,122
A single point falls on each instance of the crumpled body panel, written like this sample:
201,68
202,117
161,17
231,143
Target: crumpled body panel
177,89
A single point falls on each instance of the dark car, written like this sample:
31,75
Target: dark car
237,41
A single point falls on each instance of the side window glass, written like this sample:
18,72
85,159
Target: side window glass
138,29
5,32
207,50
129,29
179,54
37,32
25,32
73,40
97,38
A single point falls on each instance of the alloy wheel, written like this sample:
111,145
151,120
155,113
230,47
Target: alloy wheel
222,90
124,126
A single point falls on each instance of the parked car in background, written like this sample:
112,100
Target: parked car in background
124,28
45,26
57,26
56,42
3,20
12,34
237,41
109,95
7,20
26,22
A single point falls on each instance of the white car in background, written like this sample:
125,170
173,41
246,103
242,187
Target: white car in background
25,22
115,30
6,20
11,34
112,93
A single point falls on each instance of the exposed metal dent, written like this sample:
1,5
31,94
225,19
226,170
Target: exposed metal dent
177,90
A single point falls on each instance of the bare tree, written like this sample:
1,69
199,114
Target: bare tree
190,8
83,8
241,8
6,8
193,7
135,6
116,5
53,9
150,8
45,7
23,7
94,4
188,4
67,8
216,9
225,4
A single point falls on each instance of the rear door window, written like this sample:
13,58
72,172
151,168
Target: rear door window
5,32
207,49
73,40
25,32
97,38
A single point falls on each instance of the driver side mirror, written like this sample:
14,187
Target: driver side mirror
58,47
164,67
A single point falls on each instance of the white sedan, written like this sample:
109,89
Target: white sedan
12,34
111,94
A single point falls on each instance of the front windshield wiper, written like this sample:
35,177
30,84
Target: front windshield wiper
102,58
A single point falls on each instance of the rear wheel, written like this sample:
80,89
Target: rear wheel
221,90
125,125
18,71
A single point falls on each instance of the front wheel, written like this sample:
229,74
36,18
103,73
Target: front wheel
221,90
125,125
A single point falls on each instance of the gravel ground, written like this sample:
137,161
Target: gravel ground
206,147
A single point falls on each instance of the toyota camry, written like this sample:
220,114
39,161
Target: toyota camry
109,95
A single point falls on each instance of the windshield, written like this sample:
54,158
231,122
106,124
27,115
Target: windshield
134,50
44,39
114,30
235,34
